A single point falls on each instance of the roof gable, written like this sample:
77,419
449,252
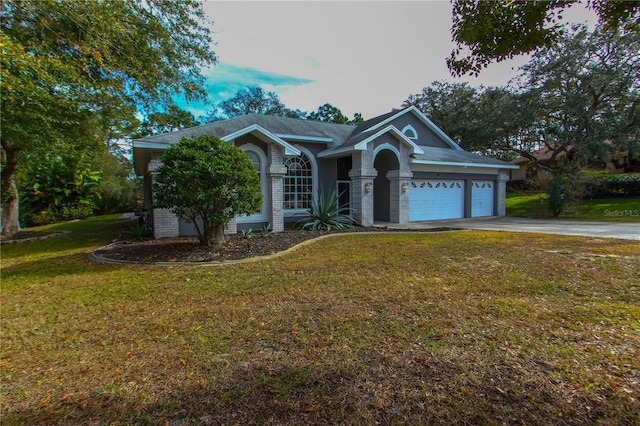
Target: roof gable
360,141
387,119
265,136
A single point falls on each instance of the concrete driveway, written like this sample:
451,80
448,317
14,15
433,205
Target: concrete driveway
628,231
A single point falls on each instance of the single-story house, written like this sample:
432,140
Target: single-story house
528,170
398,167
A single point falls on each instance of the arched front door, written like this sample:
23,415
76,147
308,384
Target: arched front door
384,161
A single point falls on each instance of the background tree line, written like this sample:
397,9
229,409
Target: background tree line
578,98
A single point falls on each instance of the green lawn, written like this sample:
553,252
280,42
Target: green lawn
441,328
609,209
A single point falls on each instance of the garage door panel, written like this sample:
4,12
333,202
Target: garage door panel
432,199
482,198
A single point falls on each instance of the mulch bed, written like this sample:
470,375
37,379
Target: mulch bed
237,247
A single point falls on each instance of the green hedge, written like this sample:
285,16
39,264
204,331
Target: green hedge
626,185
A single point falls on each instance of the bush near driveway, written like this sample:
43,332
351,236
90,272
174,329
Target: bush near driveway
441,328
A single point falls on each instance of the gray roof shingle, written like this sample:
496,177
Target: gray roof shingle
446,155
343,135
276,125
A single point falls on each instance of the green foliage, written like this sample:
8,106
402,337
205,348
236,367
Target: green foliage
556,189
498,121
119,190
53,215
487,32
266,231
73,71
601,184
247,233
325,213
330,114
578,98
207,182
588,94
139,232
63,188
251,100
171,120
566,190
627,185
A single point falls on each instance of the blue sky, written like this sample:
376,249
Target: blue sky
360,56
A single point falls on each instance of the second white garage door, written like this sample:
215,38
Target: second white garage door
482,198
432,199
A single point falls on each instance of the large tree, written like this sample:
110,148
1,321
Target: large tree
492,31
588,92
587,89
496,121
207,181
251,100
72,69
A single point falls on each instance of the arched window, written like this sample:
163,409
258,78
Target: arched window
410,132
298,183
255,160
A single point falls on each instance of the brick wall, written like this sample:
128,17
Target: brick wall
275,173
165,223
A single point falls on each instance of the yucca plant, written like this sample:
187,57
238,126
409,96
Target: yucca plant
139,232
326,213
267,231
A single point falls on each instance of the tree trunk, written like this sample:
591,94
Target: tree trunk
10,224
212,235
219,234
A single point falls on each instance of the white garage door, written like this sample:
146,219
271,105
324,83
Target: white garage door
482,198
431,199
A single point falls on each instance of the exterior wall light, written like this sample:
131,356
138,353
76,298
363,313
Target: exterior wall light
367,187
405,188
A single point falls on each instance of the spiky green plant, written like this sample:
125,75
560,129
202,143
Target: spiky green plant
326,213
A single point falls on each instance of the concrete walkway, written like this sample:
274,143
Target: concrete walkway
628,231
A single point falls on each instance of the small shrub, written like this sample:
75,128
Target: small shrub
139,232
267,231
627,185
325,213
556,190
53,215
247,233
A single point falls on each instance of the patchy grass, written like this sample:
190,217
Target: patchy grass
608,209
452,327
527,204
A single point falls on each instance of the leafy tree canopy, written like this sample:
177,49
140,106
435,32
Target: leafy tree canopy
74,70
492,31
579,99
251,100
587,88
208,182
163,122
331,114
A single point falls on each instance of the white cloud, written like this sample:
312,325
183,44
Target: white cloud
359,56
